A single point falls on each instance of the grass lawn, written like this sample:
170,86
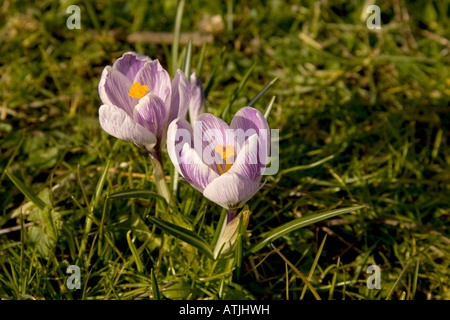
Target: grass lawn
363,118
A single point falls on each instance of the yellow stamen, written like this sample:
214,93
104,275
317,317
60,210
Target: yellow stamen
226,153
138,91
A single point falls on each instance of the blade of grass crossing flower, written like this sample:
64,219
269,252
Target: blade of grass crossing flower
155,288
313,267
183,234
27,192
137,259
262,92
297,224
176,37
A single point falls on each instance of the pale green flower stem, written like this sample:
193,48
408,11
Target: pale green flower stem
159,177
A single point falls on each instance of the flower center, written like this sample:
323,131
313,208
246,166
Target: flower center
138,91
226,153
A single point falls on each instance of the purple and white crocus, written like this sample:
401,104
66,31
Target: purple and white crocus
224,162
140,100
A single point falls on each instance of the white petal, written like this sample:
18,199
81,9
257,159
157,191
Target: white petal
231,190
117,123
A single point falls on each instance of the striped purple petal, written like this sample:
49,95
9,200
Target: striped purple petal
179,133
156,78
212,132
197,98
197,173
184,157
246,163
150,113
252,121
130,63
113,89
180,95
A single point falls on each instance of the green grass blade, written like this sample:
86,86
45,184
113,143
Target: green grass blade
269,107
176,37
188,60
416,277
99,187
262,92
391,292
155,289
219,228
297,224
307,166
26,191
135,193
93,205
333,281
184,234
137,259
199,68
238,256
311,288
313,267
92,15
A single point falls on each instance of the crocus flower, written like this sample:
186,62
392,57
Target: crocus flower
224,162
140,100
